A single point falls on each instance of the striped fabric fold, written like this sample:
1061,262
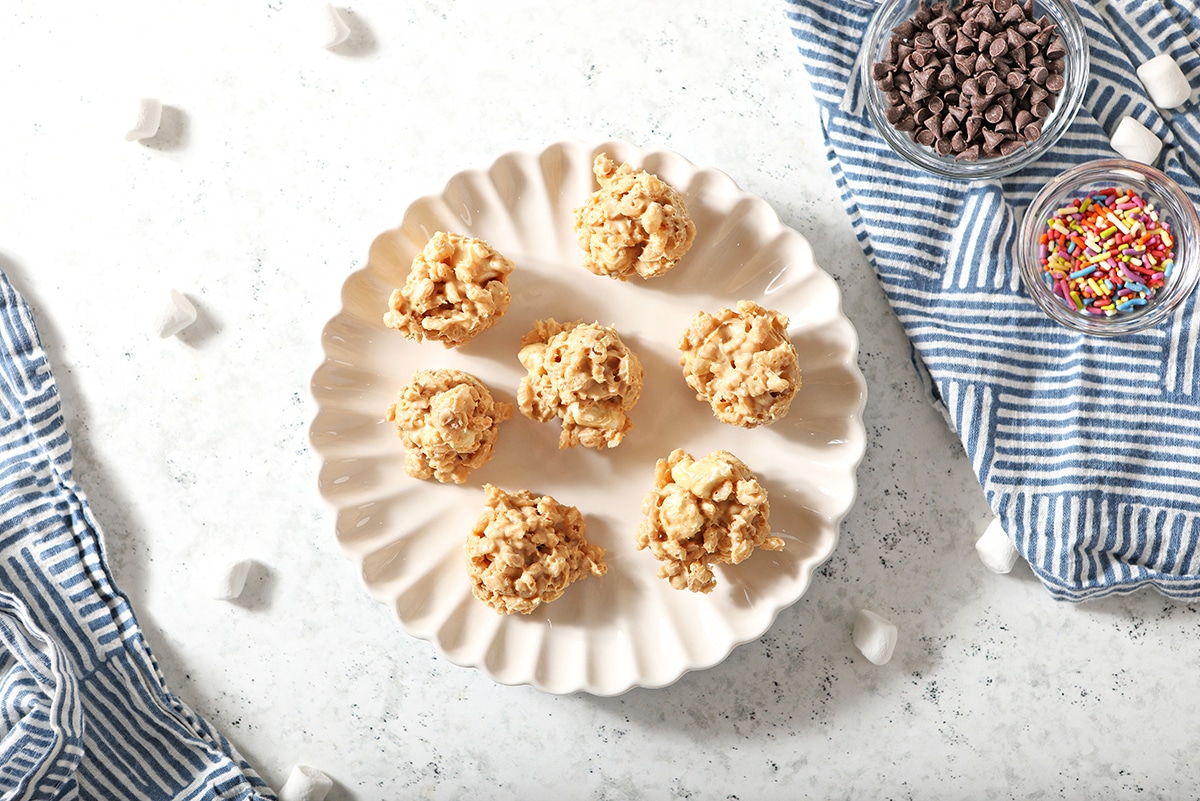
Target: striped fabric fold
1087,449
84,710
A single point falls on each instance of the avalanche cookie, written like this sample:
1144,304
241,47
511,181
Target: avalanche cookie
448,423
456,289
525,550
742,363
634,224
582,374
703,513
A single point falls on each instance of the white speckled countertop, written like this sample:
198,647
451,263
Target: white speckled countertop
276,165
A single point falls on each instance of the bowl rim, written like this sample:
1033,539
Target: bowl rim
1184,220
1070,100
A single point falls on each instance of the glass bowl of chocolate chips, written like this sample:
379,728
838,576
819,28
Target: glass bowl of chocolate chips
974,89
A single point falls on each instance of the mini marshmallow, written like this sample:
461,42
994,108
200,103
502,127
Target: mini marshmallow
334,29
1165,82
231,580
305,784
175,316
1135,141
875,636
149,116
995,549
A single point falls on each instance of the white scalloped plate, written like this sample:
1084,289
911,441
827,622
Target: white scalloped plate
628,628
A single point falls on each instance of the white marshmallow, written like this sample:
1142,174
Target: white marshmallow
875,636
1135,141
231,580
995,549
334,29
1165,82
306,784
149,117
175,316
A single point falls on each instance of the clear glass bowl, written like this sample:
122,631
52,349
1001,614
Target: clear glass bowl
1173,206
1071,32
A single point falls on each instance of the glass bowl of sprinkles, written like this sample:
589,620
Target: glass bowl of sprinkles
1110,247
974,89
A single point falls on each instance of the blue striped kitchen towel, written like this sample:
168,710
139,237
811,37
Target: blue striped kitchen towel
1087,449
84,710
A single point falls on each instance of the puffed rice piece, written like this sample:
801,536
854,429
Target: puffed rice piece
742,363
634,224
448,423
525,551
456,289
584,375
703,513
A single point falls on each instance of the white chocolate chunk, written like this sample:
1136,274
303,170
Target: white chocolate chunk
875,636
1165,82
1135,141
231,580
334,29
175,316
305,784
149,116
995,549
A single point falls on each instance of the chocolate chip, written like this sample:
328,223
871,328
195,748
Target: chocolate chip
1039,75
944,147
968,154
994,114
1010,146
998,47
925,137
1055,83
991,139
972,127
1032,132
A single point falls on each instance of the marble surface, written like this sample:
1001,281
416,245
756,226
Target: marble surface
276,164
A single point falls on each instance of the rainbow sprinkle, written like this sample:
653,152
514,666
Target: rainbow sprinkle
1106,253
